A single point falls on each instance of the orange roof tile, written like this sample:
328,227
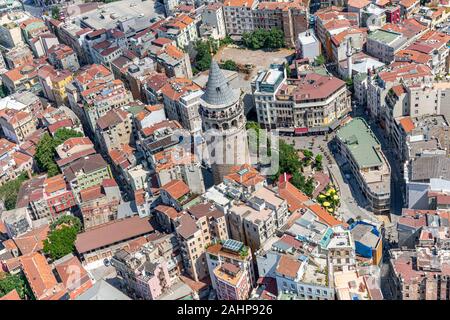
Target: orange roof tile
294,197
176,188
33,240
40,276
407,124
12,295
288,266
324,216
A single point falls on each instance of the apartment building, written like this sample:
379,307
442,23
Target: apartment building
420,274
63,57
86,172
49,197
313,102
10,32
17,125
379,85
41,44
181,98
178,164
359,146
384,43
144,270
98,100
239,16
173,62
114,129
99,204
290,17
181,28
18,56
298,276
24,77
231,269
201,226
53,83
213,21
430,49
258,219
331,21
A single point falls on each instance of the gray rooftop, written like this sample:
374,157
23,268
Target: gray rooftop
218,91
427,167
102,290
363,234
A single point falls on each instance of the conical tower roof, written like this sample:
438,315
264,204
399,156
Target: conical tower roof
218,91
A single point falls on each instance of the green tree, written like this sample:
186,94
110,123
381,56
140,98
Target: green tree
46,149
309,187
61,241
226,41
3,91
229,65
67,220
9,282
261,38
288,159
203,56
288,70
62,134
318,162
55,13
275,39
44,156
308,155
320,60
9,191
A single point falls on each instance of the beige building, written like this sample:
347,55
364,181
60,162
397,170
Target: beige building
181,98
239,16
258,219
17,125
362,150
202,225
312,103
114,129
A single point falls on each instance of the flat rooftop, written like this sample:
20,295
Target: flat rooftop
384,36
109,15
360,140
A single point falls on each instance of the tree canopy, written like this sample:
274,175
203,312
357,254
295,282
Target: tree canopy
55,12
60,242
46,149
68,220
291,163
9,282
9,191
262,38
61,239
203,58
320,60
229,65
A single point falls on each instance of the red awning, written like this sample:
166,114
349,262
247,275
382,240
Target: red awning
300,130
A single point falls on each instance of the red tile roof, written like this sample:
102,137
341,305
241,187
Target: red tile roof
12,295
407,124
33,240
113,232
176,188
324,216
40,276
294,197
288,267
